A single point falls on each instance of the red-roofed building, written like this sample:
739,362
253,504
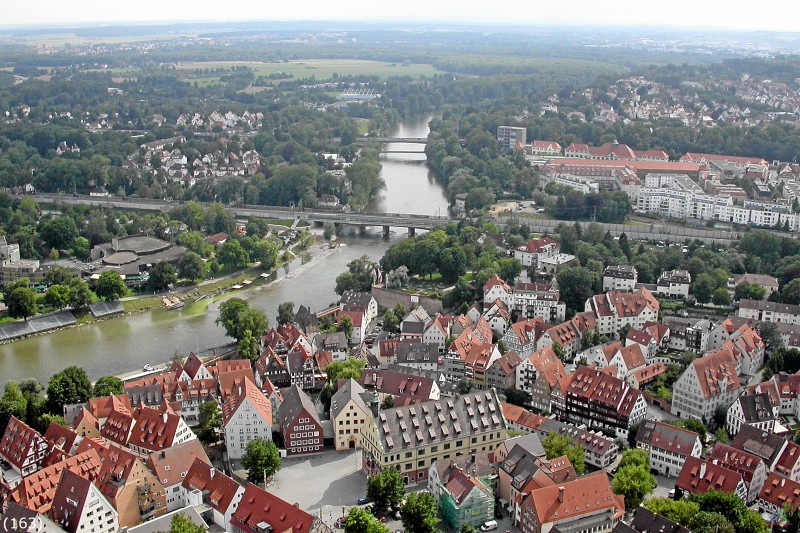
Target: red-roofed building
79,506
156,430
522,336
777,493
698,476
62,438
540,148
246,416
204,485
300,424
586,503
532,252
667,446
171,466
750,466
615,309
260,512
538,374
598,400
23,448
709,382
740,162
194,368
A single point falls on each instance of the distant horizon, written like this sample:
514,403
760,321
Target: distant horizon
680,15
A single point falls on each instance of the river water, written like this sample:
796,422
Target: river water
123,344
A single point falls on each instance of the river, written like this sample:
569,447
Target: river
123,344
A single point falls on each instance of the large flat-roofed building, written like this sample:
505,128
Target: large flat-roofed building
411,438
510,137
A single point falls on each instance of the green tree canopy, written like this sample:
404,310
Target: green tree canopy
634,458
285,313
361,521
385,489
69,386
633,483
162,275
110,286
679,511
556,445
232,255
236,316
22,303
191,267
181,524
420,513
210,419
261,459
108,385
59,233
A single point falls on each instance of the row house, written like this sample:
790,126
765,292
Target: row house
584,504
350,410
543,148
246,416
698,476
778,494
205,486
768,283
22,451
598,400
613,151
438,331
417,355
753,410
765,311
411,438
624,359
271,367
79,506
498,317
523,470
615,309
300,424
456,495
569,334
653,339
709,382
750,466
689,334
667,446
502,374
780,455
542,300
171,466
599,451
132,489
538,374
522,336
359,301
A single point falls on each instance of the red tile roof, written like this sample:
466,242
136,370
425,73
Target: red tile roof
737,460
248,392
586,495
698,477
221,489
460,485
36,491
780,491
20,441
547,364
154,430
258,506
231,381
602,388
715,368
169,465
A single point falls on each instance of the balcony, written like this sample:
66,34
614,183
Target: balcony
147,510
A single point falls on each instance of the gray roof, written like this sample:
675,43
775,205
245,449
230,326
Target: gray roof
476,464
645,521
349,390
530,443
294,401
767,446
417,352
666,437
764,305
446,388
620,271
328,341
756,408
675,276
443,420
357,299
598,444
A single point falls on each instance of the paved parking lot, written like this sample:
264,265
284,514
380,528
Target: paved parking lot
331,479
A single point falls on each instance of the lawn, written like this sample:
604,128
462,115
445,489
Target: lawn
321,69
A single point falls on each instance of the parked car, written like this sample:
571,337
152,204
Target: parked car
381,518
498,513
489,526
362,501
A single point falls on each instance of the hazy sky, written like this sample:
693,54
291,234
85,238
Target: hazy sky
782,15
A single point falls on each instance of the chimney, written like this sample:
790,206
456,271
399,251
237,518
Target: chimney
561,494
702,469
164,417
296,505
211,473
163,454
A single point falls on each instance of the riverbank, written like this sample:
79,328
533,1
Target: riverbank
214,291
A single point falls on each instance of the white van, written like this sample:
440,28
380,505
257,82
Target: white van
489,526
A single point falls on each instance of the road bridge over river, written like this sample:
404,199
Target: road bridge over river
409,221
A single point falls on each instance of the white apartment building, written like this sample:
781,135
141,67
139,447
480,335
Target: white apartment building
709,382
246,416
667,446
765,311
620,278
511,136
579,183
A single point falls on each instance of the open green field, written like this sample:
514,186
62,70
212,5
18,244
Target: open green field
321,69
